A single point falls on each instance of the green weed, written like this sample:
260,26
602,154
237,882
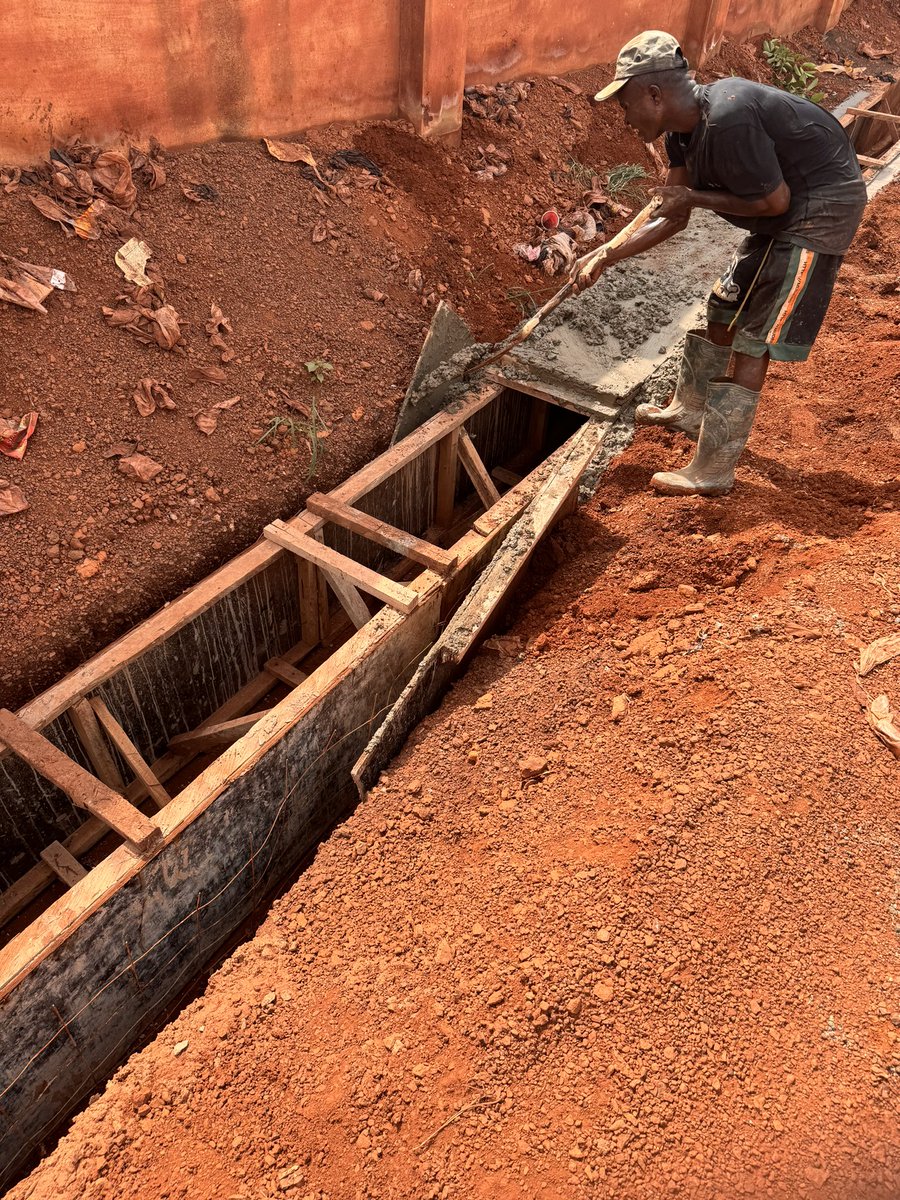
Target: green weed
790,72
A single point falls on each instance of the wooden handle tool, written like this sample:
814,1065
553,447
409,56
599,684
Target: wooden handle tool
586,265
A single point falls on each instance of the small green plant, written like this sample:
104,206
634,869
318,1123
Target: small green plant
622,180
296,431
790,72
523,300
319,369
282,426
583,174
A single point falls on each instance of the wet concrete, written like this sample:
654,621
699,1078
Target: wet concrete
603,344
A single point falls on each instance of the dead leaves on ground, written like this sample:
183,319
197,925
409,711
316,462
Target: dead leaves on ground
150,394
142,313
12,499
208,419
880,716
216,327
139,466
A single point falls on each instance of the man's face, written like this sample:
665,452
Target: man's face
643,109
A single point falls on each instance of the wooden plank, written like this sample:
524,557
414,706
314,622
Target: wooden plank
440,664
211,737
63,864
866,161
537,427
506,477
407,545
433,41
130,752
84,719
338,566
471,618
55,700
26,889
584,405
447,470
476,470
308,587
874,115
79,785
283,671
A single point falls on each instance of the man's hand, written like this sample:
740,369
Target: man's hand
580,284
677,203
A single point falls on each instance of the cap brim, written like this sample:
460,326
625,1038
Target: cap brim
611,89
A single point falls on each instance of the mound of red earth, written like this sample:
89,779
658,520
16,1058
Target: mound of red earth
622,918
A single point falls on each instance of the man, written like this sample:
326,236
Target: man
777,166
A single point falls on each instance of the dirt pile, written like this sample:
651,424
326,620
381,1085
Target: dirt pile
622,920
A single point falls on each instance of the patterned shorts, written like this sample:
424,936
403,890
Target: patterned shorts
779,294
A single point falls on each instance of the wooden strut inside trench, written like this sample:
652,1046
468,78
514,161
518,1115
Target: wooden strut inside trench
116,805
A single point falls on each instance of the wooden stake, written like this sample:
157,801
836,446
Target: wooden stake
79,785
130,753
476,470
447,470
85,721
62,864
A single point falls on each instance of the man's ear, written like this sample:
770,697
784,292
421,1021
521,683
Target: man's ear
655,94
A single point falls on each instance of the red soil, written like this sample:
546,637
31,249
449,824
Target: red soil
556,955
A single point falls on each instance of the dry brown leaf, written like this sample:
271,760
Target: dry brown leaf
120,450
291,152
319,232
140,467
112,174
207,375
157,173
883,723
12,500
206,421
53,211
150,395
227,355
167,332
224,404
358,413
866,49
880,651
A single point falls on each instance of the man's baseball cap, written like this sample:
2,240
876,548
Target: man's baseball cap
650,51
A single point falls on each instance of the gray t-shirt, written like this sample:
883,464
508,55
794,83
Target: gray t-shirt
751,137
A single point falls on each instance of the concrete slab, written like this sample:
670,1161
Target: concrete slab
597,348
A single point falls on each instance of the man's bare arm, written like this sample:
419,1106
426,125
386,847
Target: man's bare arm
678,201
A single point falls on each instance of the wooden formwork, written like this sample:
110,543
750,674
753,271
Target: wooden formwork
213,744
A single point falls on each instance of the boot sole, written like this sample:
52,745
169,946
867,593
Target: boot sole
669,426
675,489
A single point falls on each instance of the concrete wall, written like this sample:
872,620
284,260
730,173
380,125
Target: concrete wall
193,70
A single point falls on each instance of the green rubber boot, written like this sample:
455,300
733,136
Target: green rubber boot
701,362
727,422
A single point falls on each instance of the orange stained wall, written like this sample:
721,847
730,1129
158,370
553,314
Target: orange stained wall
193,70
512,38
190,70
